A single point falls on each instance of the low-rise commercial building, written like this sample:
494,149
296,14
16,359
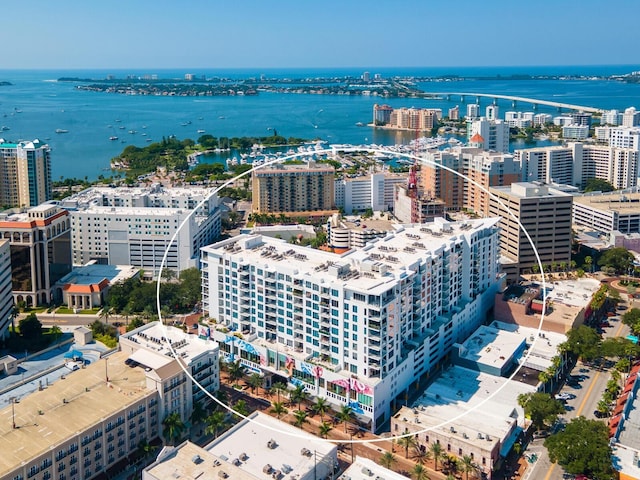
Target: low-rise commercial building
607,212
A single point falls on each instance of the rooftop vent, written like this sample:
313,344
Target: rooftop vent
272,444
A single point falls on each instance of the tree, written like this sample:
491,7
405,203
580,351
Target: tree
198,414
618,258
15,312
420,454
241,408
468,465
301,418
279,388
215,422
631,318
437,452
588,262
145,447
236,371
387,460
298,395
254,381
279,409
407,441
582,448
172,427
419,472
30,327
584,342
321,407
345,415
598,185
324,429
541,408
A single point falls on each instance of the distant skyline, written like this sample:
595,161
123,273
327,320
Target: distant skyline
121,34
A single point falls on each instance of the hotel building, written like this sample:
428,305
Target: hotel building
40,252
25,173
296,189
362,328
135,226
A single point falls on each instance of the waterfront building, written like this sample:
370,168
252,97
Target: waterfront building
381,114
25,173
545,214
575,132
625,137
612,118
366,77
136,226
297,189
149,345
454,113
542,119
494,134
562,120
492,112
473,111
40,252
374,191
608,212
519,119
361,328
6,302
602,134
581,118
82,425
630,117
414,118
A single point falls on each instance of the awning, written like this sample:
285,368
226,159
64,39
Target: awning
619,409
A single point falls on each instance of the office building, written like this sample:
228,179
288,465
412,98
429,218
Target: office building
40,252
545,214
358,328
492,134
293,189
136,226
6,302
608,212
374,191
25,173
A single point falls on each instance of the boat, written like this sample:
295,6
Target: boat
61,130
221,117
144,126
144,134
201,131
359,124
149,140
184,124
122,127
132,131
4,128
113,137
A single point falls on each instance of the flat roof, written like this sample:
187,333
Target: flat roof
457,391
94,273
489,345
250,440
70,405
364,469
624,203
189,461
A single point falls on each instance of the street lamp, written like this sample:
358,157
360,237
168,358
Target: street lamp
13,411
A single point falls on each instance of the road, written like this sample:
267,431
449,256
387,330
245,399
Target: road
588,393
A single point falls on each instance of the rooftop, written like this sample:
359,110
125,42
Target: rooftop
491,346
93,274
66,407
625,203
266,441
530,190
365,469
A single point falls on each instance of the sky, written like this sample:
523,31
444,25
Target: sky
72,34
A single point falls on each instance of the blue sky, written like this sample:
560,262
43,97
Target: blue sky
327,33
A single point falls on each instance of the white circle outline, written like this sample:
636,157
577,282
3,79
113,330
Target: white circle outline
353,149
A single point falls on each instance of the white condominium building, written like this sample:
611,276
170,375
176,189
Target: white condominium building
375,191
494,134
134,226
625,137
361,328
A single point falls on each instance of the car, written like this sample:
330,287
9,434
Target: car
599,414
605,324
564,396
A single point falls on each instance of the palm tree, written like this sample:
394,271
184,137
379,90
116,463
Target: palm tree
437,452
420,473
279,409
215,421
345,415
420,454
279,388
105,313
301,418
236,371
254,381
241,408
387,459
298,395
468,465
321,407
145,447
15,312
173,427
198,414
324,429
407,441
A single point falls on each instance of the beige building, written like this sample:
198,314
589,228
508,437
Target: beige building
25,173
293,188
545,214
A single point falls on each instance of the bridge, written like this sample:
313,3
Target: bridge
513,99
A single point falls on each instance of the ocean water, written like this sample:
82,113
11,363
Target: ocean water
35,105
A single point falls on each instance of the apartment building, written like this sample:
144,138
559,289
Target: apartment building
374,191
293,188
361,328
25,173
40,251
494,134
381,114
545,214
6,302
625,137
608,212
136,226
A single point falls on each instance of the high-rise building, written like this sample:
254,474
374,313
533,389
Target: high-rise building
581,118
611,117
545,214
375,191
40,252
293,189
135,226
6,299
473,111
415,118
360,328
625,137
575,132
381,114
25,173
630,117
494,133
492,112
454,113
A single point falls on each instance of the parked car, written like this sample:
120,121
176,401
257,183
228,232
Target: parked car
599,414
565,396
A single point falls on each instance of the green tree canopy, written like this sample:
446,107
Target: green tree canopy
631,318
598,185
541,408
30,327
618,258
582,448
584,342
